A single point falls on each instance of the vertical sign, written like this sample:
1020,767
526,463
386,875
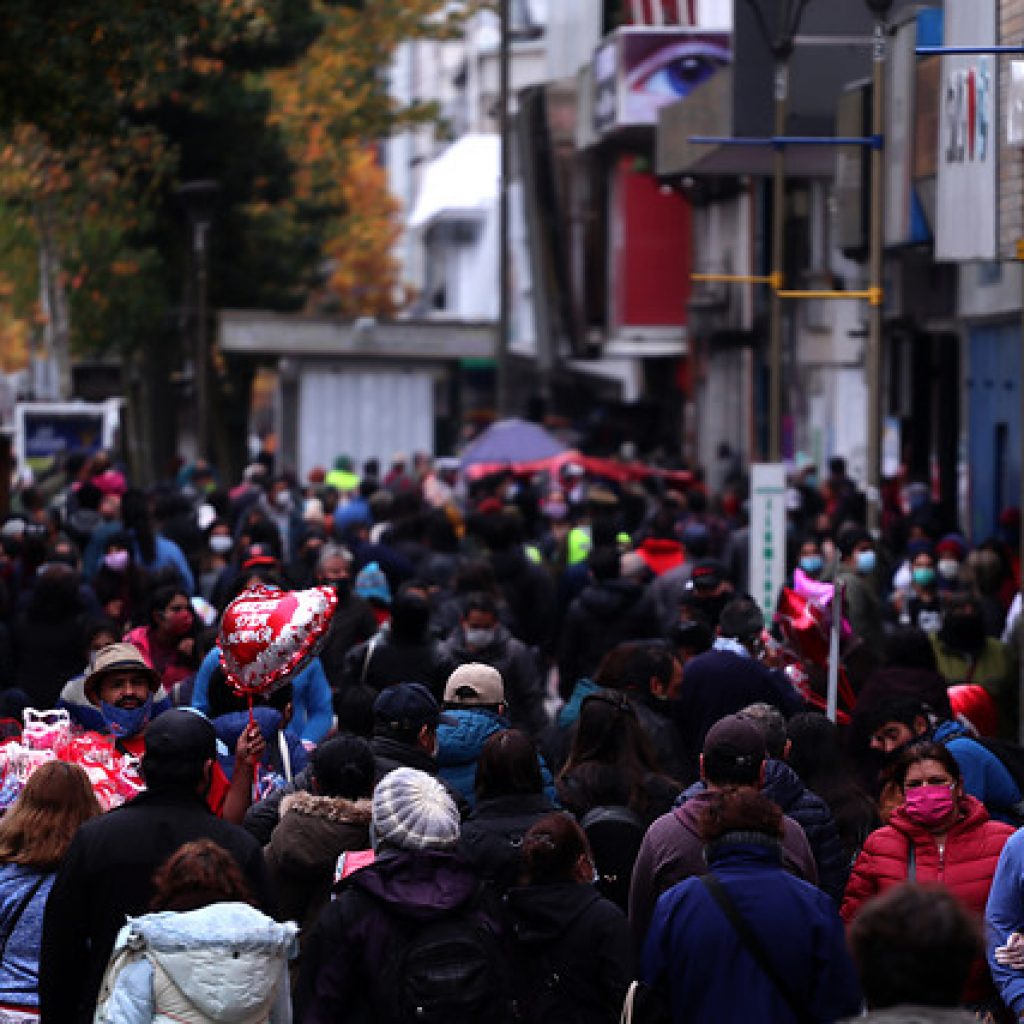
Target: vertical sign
767,535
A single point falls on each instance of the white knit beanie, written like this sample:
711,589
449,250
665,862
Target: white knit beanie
413,811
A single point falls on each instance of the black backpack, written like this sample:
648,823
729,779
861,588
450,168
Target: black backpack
450,970
615,833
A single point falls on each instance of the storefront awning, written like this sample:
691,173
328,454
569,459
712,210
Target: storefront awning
461,183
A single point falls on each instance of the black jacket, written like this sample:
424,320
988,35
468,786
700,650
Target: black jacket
602,617
353,623
107,874
524,691
529,591
262,817
572,954
390,753
382,661
492,837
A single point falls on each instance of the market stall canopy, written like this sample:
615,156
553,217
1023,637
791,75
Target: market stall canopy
511,441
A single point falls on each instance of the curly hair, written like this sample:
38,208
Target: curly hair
196,875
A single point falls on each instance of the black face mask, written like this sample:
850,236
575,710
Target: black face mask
963,632
342,588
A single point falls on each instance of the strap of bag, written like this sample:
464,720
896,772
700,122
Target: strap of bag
12,923
753,946
286,755
912,863
371,646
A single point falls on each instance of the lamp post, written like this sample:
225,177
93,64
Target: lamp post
197,197
788,15
504,228
873,356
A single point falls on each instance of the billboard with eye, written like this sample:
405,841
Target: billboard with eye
637,71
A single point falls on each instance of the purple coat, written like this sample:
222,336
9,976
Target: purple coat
342,964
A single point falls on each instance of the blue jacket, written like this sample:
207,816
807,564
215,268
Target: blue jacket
85,714
1004,914
985,777
312,711
230,726
694,956
19,970
459,746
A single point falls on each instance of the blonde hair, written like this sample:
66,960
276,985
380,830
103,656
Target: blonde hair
39,827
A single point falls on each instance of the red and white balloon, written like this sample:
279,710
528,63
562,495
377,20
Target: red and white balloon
268,635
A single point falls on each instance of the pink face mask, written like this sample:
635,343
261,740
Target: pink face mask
929,806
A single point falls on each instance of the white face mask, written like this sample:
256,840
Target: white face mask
221,545
949,568
479,637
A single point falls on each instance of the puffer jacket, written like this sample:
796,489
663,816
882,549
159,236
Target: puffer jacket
966,867
304,848
460,742
223,963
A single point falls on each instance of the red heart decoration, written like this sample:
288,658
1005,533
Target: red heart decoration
267,635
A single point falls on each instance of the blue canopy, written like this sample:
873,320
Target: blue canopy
512,441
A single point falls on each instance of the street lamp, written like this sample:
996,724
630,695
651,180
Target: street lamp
873,368
198,197
788,15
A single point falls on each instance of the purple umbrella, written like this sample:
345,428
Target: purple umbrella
512,441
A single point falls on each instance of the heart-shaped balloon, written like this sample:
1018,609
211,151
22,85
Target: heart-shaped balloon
268,635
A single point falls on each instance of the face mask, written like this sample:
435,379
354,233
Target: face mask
116,561
342,587
865,562
949,568
811,563
811,480
283,500
126,721
221,545
178,623
929,806
479,637
923,576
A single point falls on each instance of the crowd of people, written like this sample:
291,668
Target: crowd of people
551,761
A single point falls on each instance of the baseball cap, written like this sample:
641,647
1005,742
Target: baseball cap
119,657
407,707
474,684
707,574
733,749
181,734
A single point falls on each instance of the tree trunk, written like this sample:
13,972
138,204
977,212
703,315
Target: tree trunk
53,302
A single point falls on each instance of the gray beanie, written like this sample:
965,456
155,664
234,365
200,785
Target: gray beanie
413,811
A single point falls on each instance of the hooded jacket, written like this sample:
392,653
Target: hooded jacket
524,693
786,789
673,850
224,963
571,954
492,836
530,594
984,776
377,907
694,955
304,848
605,615
460,743
966,866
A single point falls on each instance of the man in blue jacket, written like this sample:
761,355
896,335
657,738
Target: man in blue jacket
795,968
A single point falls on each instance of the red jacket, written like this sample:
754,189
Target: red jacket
966,868
661,554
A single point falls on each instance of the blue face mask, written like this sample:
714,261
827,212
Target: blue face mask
865,562
124,722
811,563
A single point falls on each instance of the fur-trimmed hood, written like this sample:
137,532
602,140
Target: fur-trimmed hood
331,808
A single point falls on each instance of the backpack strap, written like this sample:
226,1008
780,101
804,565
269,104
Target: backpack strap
753,946
12,921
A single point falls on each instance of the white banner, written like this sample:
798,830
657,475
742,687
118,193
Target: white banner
767,535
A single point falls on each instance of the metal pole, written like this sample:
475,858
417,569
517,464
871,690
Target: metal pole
778,255
832,697
504,262
199,230
874,353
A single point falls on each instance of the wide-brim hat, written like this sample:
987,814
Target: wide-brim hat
119,657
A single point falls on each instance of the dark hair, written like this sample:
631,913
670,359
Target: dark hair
410,615
196,875
604,563
909,647
551,848
739,810
741,619
926,751
508,766
652,659
136,519
353,708
914,944
610,673
691,635
479,601
344,766
475,575
903,709
162,597
223,700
